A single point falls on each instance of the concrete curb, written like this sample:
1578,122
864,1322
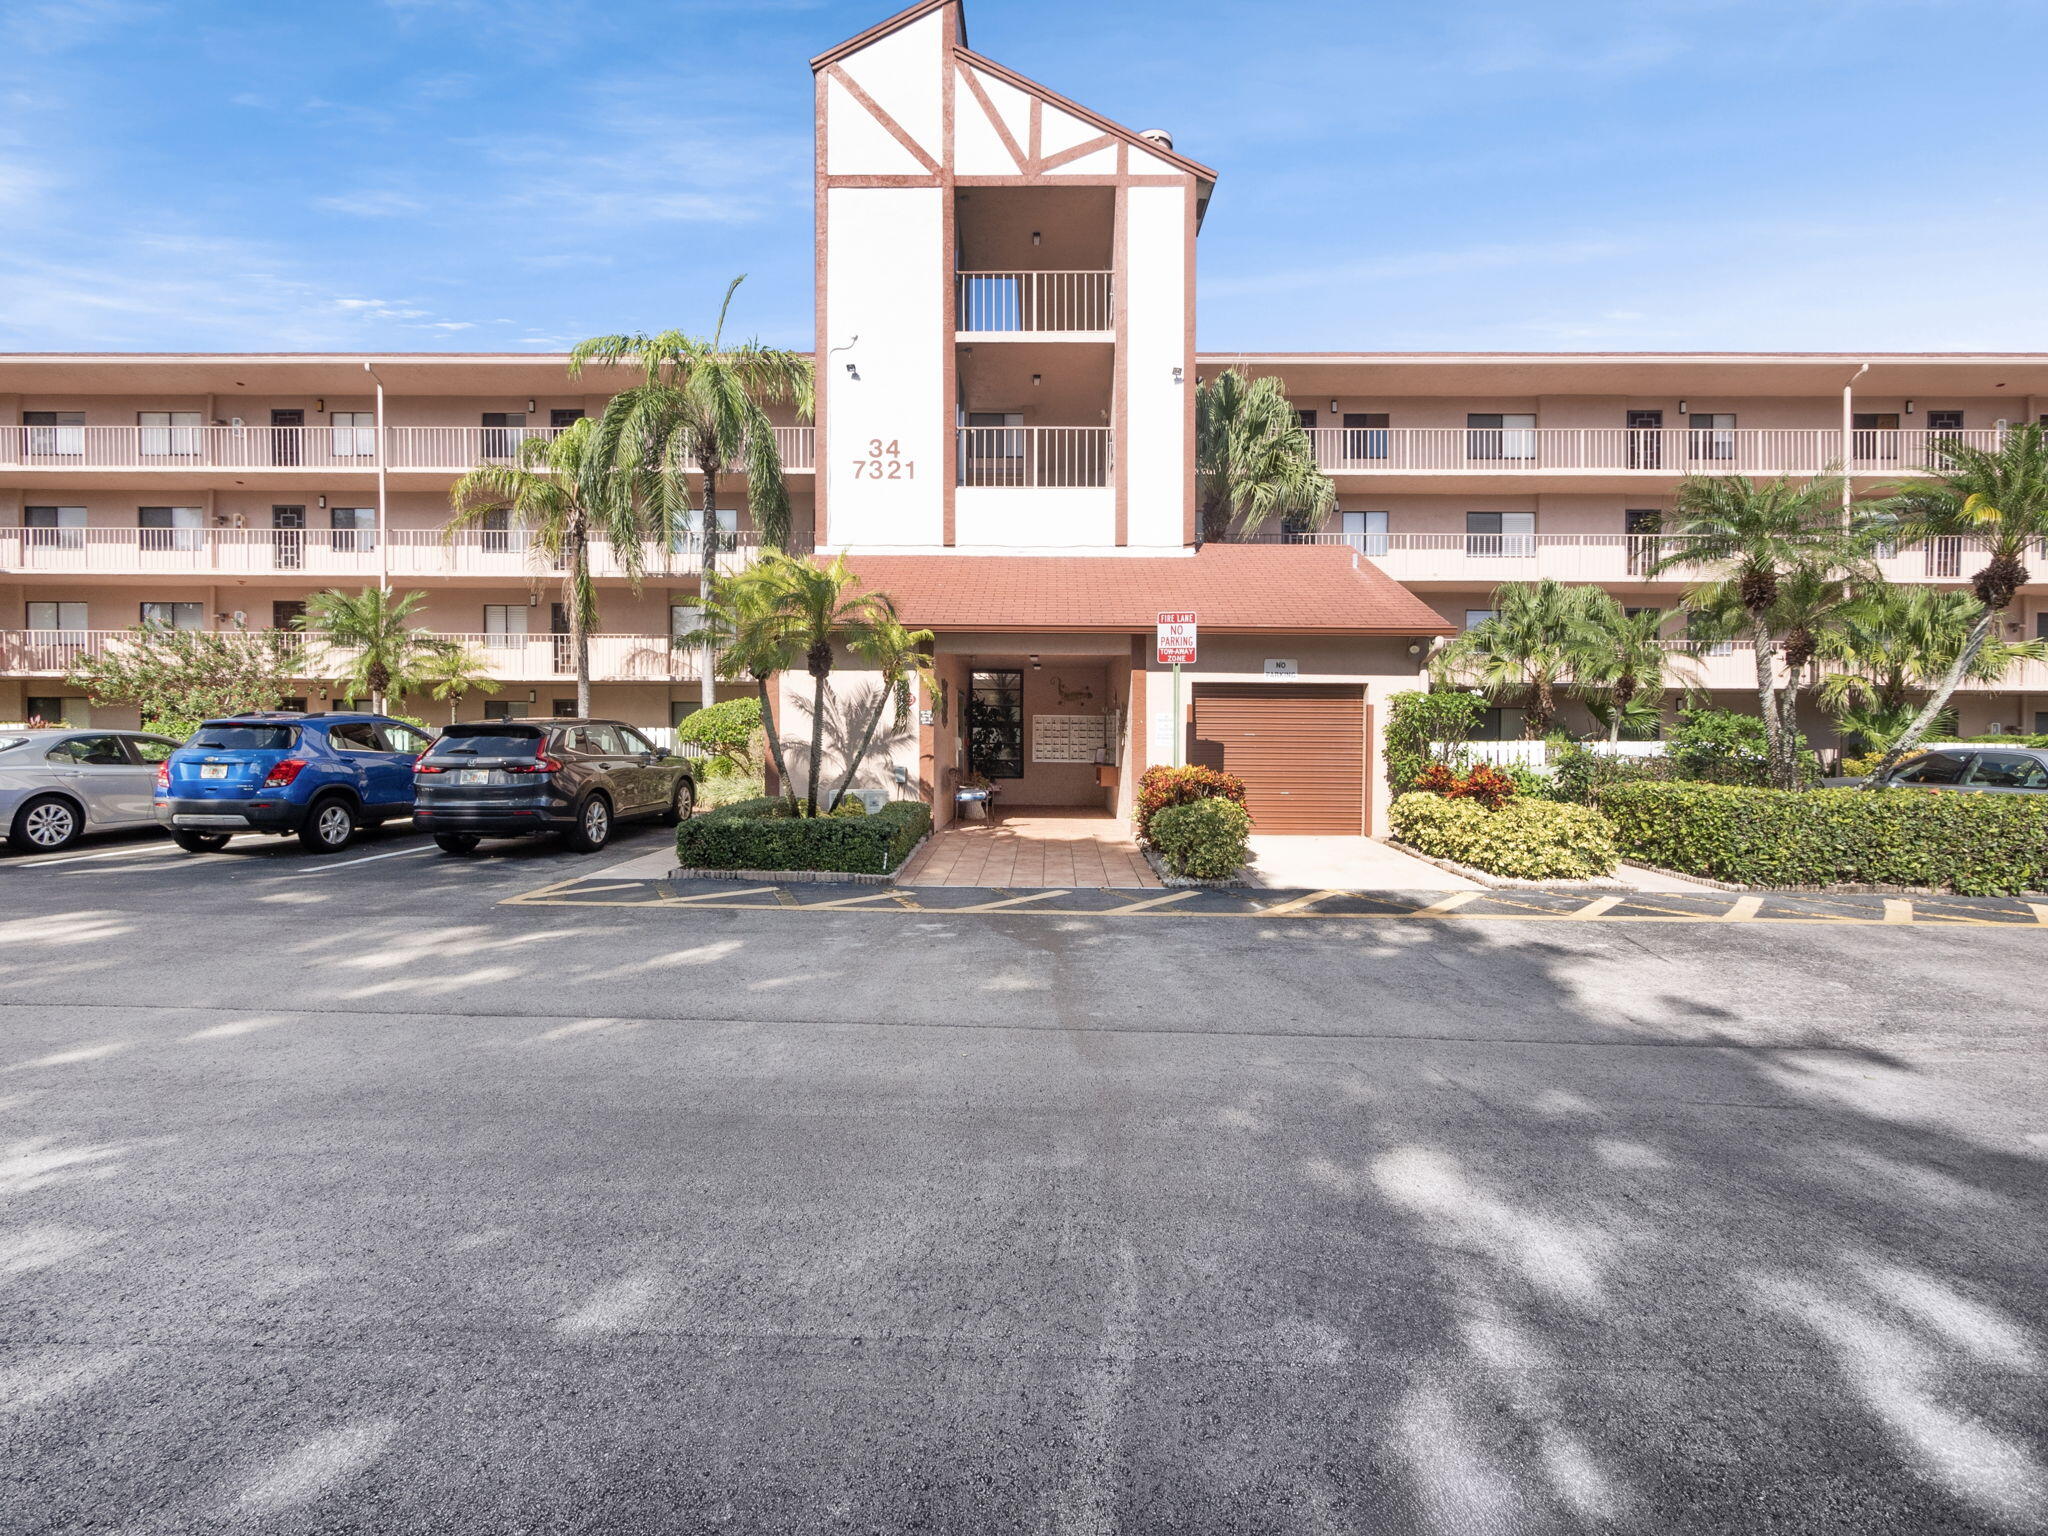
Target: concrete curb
1503,882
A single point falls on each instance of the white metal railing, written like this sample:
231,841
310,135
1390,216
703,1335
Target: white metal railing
998,302
1662,450
1608,557
509,658
337,552
1036,456
326,448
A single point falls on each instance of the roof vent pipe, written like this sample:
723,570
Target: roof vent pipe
1158,136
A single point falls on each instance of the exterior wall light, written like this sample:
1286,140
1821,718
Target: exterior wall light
320,404
1037,238
1684,409
529,405
1909,407
1035,378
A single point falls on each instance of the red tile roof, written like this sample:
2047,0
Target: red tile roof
1276,588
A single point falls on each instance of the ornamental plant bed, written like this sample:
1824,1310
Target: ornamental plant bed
1535,840
762,836
1884,839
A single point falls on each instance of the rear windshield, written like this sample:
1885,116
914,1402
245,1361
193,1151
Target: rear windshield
245,738
498,741
9,743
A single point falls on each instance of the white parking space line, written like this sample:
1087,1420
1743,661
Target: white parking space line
396,853
142,852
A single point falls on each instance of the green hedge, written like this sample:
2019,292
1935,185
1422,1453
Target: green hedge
1206,839
1523,840
1978,845
761,834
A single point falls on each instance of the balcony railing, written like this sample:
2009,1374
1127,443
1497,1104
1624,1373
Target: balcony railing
1036,457
323,448
995,303
1485,558
330,552
509,658
1660,451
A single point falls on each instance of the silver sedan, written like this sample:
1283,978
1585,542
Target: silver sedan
55,786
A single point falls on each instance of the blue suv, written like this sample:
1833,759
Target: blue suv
321,776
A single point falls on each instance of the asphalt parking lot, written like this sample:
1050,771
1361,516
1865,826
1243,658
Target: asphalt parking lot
398,1192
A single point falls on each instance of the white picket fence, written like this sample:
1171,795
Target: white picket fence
1531,754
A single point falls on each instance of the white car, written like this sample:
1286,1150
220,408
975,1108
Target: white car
57,785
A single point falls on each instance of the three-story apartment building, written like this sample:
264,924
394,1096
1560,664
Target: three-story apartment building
1007,367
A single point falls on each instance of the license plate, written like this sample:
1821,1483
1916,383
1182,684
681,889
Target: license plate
213,770
473,776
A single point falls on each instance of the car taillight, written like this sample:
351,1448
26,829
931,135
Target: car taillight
283,773
163,774
427,768
538,765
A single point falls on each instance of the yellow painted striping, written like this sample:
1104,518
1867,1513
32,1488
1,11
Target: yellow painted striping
1745,908
1300,905
1596,906
1444,904
1159,901
845,901
2040,911
1897,911
703,898
1014,901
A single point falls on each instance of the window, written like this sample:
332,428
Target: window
180,528
246,738
497,709
596,740
680,710
683,619
403,738
1944,422
1932,768
355,434
1365,532
1495,435
565,416
55,527
1498,725
53,711
2007,770
1645,548
995,724
506,619
297,704
631,741
1365,435
358,736
174,615
151,750
1700,633
564,709
55,434
1712,434
169,434
355,529
1474,617
71,617
1307,420
726,520
503,431
1500,533
92,751
482,741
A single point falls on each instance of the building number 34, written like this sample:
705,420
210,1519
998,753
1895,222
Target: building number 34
884,462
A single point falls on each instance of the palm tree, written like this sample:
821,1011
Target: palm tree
804,609
1629,666
453,672
702,404
566,494
1999,495
1810,605
1761,533
902,656
744,614
373,629
1544,636
1253,460
1893,645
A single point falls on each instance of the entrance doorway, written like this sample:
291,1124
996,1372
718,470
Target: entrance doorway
285,433
288,537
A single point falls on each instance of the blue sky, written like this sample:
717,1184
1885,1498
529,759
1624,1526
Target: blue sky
485,175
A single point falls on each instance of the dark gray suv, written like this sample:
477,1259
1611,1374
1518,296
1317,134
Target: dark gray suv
522,778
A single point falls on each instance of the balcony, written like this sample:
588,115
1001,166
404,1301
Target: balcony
1668,452
1486,559
1064,458
321,554
1035,305
445,450
511,658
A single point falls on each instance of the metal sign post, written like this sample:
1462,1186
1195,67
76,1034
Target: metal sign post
1177,646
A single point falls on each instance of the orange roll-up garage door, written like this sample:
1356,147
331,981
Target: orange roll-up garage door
1299,747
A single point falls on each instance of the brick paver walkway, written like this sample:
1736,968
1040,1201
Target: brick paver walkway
1067,849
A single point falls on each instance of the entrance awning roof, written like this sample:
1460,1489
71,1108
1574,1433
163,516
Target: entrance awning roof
1244,588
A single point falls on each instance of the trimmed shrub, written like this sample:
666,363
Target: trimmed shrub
1204,839
1160,786
1485,783
725,729
1523,840
1977,845
1417,723
762,834
1580,775
728,789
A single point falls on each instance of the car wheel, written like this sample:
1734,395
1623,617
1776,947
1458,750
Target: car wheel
456,842
327,827
593,827
200,842
46,825
682,803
